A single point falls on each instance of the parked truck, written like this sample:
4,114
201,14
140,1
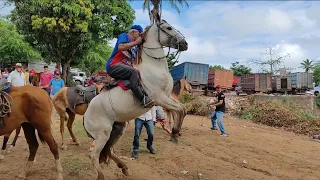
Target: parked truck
195,73
281,84
255,82
224,78
301,81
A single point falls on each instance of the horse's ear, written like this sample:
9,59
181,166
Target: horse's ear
185,77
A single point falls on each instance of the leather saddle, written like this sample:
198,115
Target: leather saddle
82,90
80,95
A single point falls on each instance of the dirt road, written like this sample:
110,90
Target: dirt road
250,152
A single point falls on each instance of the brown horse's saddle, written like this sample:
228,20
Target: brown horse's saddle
80,95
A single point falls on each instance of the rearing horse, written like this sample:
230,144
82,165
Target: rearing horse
108,112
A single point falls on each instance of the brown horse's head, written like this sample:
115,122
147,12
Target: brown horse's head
36,79
180,86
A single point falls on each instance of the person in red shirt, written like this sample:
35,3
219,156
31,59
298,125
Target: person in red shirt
32,72
45,79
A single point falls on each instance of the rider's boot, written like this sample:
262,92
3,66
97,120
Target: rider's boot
145,100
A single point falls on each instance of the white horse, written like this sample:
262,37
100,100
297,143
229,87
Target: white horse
106,116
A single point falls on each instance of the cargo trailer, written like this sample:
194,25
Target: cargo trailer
224,78
195,73
281,84
255,82
301,81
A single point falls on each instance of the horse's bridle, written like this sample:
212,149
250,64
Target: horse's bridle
170,37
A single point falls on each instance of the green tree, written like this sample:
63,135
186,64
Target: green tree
216,67
13,47
64,30
95,59
316,73
171,60
239,70
156,4
307,65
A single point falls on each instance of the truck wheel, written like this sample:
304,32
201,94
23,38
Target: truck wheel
316,93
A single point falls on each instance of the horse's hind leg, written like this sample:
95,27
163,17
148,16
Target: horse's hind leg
13,144
116,133
102,135
69,125
29,132
46,135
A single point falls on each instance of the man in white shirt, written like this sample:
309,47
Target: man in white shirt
146,120
17,77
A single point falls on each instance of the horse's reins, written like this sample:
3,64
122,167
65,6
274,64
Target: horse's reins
161,47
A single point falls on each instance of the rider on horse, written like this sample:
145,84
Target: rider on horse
120,64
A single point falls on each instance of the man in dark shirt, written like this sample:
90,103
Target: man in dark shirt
219,112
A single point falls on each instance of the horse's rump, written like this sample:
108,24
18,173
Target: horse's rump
80,95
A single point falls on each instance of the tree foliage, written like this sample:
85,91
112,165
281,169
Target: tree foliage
64,30
156,4
272,62
239,70
307,65
95,59
171,60
216,67
316,73
13,46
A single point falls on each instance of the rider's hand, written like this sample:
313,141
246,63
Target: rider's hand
138,41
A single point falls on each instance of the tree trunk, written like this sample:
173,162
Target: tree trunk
65,68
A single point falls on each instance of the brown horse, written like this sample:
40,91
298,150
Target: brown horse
4,149
178,87
31,109
63,107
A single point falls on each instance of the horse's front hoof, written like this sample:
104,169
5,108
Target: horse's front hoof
174,139
126,172
64,147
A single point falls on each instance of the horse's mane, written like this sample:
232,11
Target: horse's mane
177,87
144,38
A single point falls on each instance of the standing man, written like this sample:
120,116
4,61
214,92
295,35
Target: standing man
45,79
55,84
17,77
32,72
147,121
219,112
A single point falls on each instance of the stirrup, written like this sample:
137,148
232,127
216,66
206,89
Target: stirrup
147,104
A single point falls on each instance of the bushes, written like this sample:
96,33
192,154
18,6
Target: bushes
279,115
194,104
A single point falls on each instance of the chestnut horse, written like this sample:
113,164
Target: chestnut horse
61,103
4,149
31,108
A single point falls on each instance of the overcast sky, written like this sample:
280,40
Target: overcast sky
220,33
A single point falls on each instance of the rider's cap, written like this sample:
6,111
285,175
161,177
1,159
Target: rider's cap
137,27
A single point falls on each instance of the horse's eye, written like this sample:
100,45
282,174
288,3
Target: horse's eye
169,28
